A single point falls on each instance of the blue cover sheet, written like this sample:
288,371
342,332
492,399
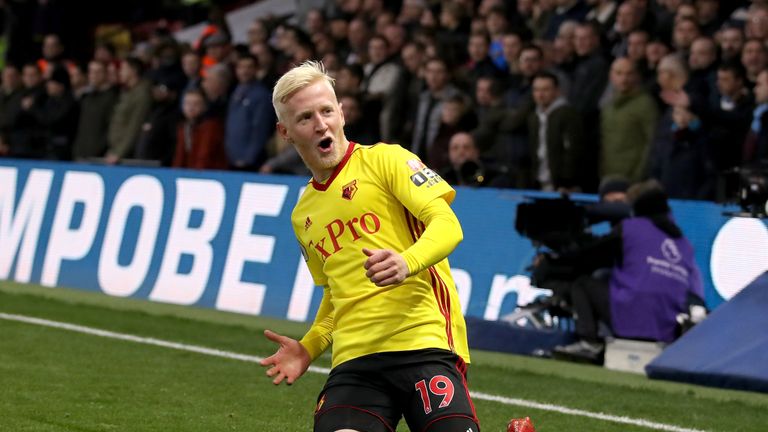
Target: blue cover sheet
729,349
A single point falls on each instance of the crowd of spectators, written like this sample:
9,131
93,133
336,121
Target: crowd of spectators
539,94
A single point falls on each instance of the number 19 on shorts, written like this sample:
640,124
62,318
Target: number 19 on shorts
439,385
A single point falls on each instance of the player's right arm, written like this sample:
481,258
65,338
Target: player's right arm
319,337
293,357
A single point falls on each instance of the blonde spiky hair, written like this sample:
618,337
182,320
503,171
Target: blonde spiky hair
296,79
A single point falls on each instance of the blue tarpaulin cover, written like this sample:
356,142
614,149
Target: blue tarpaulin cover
729,349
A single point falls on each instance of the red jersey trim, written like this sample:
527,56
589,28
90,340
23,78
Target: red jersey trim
461,366
439,288
324,186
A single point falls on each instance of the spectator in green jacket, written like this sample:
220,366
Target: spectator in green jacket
132,107
627,124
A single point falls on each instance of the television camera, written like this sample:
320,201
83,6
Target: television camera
748,187
753,190
560,225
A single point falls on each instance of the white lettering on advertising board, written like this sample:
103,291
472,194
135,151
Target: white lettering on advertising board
20,229
72,239
146,193
235,294
206,197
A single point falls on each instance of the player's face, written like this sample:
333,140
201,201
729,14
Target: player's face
313,122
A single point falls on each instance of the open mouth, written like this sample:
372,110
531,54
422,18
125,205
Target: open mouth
325,143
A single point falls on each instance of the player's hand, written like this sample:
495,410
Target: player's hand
385,267
289,362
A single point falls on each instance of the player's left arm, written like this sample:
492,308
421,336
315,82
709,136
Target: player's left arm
426,197
441,236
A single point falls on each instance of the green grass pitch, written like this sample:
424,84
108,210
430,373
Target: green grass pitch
60,380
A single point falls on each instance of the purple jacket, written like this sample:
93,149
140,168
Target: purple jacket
651,285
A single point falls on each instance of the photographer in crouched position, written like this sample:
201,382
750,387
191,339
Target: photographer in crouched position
653,277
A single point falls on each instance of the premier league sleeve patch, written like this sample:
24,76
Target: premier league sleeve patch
418,179
426,176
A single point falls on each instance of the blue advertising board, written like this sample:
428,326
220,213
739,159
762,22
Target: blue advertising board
224,240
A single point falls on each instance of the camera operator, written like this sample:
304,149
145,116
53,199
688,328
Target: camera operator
466,168
549,269
653,277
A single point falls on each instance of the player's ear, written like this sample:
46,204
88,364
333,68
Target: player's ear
341,113
282,131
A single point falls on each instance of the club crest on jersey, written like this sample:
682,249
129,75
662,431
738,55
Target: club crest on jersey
307,223
348,190
416,165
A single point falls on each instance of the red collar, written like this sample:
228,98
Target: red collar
323,186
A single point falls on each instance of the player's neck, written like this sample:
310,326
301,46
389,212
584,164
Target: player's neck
323,176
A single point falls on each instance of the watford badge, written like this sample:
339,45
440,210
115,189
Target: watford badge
348,190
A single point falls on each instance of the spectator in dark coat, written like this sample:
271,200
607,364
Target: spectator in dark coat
588,81
731,41
191,64
556,138
10,95
756,147
382,75
488,104
95,113
702,62
754,57
25,134
406,96
628,19
58,115
506,129
250,119
480,63
591,72
157,139
729,116
685,31
428,113
216,85
679,158
200,138
456,116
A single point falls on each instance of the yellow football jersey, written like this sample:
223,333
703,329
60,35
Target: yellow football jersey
370,202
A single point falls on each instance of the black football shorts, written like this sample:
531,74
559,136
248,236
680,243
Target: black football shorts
371,393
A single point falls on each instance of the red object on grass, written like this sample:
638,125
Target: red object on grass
521,425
